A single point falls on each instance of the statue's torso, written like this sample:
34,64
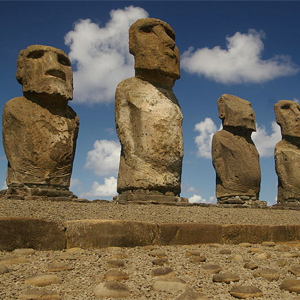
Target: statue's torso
236,161
287,164
154,127
39,144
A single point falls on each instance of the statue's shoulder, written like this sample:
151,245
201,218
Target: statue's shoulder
131,84
15,104
284,146
222,134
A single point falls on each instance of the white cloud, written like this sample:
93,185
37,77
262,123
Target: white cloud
265,143
200,199
206,129
101,56
296,100
108,189
104,158
196,199
75,183
240,62
4,186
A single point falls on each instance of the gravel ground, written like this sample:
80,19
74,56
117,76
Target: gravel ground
86,269
68,210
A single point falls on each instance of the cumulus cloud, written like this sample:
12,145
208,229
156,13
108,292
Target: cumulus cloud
265,143
108,189
104,158
200,199
241,62
100,55
206,129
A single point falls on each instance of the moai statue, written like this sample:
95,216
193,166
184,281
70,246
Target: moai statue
149,119
234,155
287,152
39,128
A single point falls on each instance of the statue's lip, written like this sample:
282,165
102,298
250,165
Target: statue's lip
56,73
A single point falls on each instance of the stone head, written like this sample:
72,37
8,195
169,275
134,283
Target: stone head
152,42
45,70
287,114
236,112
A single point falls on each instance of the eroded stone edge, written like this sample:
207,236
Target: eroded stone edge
88,234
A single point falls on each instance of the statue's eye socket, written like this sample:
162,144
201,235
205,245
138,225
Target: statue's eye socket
170,34
285,106
63,60
36,54
146,29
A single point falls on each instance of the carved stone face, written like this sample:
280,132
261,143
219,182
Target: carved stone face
152,42
236,112
288,117
47,70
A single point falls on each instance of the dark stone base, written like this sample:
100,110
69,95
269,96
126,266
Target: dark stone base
143,196
37,192
241,201
288,204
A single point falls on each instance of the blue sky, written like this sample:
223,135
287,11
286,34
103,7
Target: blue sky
248,49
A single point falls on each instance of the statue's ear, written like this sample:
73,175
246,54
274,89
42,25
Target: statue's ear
20,67
221,107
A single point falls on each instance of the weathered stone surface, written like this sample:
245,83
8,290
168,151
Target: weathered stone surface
39,295
239,233
226,277
193,233
169,284
190,294
284,233
163,272
31,233
3,269
291,285
13,260
59,266
106,233
295,269
160,261
250,265
43,280
116,275
263,256
23,251
234,155
148,117
269,274
212,269
287,152
111,290
115,263
244,292
39,128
